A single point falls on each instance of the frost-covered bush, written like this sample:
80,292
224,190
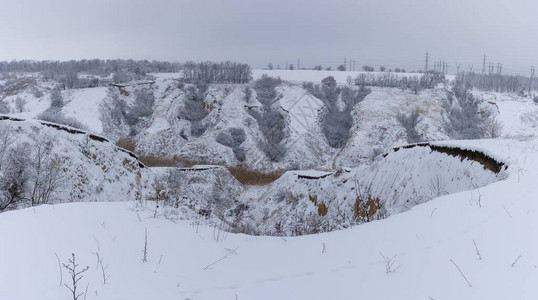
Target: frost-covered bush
19,104
409,123
13,173
55,115
56,98
4,107
248,94
193,108
121,76
142,108
233,138
38,93
271,121
266,89
29,171
112,113
143,105
336,120
121,120
207,192
464,119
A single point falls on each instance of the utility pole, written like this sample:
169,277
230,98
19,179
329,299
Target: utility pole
345,62
427,59
490,68
499,68
484,64
458,68
471,68
298,63
531,79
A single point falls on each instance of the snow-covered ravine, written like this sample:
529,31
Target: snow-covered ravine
199,262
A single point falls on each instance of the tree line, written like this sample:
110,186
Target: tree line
217,72
497,82
97,67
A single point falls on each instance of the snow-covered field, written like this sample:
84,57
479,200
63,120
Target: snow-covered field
300,76
186,261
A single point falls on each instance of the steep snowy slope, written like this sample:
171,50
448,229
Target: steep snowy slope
47,163
303,202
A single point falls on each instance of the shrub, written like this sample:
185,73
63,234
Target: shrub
193,108
121,76
248,94
4,107
368,68
14,174
464,120
112,113
19,104
535,99
271,122
336,122
143,105
54,115
56,98
409,123
368,208
233,139
266,89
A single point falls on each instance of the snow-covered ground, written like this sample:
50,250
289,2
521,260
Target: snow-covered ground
185,261
476,243
83,104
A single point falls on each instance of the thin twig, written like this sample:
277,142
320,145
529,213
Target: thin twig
461,273
145,256
507,211
222,258
477,251
59,266
515,262
86,292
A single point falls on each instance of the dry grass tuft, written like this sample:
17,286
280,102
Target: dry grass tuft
126,144
253,177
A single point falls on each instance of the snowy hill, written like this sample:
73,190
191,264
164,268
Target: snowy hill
43,162
428,244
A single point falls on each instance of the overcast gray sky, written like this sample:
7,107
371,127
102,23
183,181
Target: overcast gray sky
376,32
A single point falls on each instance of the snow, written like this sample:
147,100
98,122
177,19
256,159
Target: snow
83,104
430,235
500,218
